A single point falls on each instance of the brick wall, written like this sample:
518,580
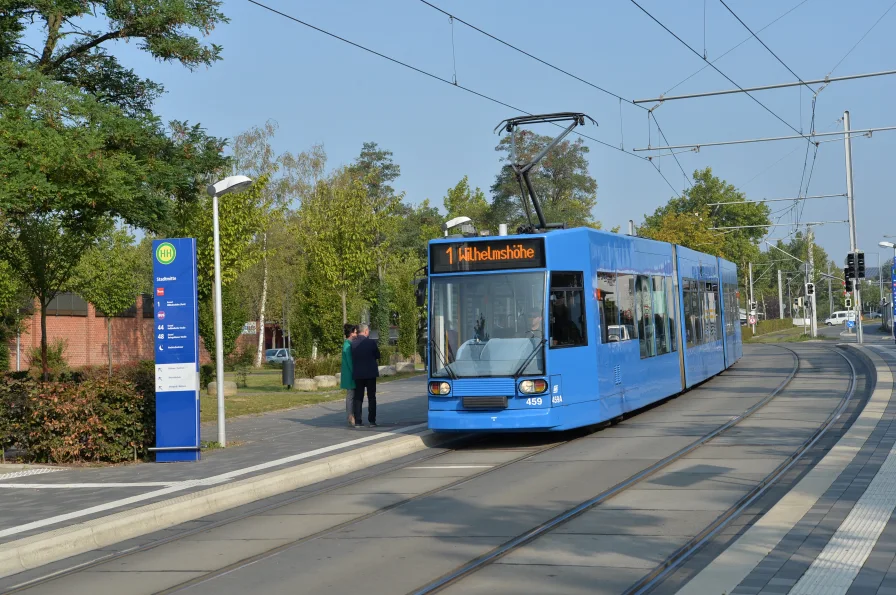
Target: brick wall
87,339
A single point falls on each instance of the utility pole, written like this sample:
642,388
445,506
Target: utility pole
810,279
780,297
752,311
789,297
853,244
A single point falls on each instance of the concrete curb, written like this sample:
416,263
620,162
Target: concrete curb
44,548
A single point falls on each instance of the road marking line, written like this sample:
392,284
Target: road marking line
27,472
59,486
216,479
453,467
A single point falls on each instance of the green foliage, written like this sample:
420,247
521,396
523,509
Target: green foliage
567,191
462,201
338,227
233,318
99,419
240,218
322,366
57,363
685,229
738,246
419,224
206,375
404,303
69,41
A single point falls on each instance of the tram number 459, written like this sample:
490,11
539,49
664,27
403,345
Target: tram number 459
539,401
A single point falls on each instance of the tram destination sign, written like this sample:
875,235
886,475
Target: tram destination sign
487,255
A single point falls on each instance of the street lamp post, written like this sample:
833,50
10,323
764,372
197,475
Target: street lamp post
225,186
893,291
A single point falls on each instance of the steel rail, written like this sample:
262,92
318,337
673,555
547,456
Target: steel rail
523,539
687,551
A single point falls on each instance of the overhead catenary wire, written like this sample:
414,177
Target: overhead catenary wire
747,27
714,67
862,38
731,49
561,70
441,79
811,138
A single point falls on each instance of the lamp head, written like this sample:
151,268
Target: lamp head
886,244
229,184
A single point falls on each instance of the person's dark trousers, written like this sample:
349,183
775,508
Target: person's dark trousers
360,384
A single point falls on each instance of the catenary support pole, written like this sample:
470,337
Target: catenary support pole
814,320
752,311
850,201
780,297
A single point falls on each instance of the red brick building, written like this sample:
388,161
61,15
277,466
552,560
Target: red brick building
83,329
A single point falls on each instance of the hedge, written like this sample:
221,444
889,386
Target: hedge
92,418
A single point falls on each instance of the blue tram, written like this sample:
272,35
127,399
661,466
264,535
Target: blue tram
557,330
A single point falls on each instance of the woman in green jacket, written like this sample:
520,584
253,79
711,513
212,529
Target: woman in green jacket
350,331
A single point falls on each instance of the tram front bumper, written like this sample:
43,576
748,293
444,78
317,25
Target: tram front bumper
494,421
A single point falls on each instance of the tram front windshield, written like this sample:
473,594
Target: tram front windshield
487,325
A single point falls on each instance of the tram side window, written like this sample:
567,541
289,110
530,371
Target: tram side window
567,310
646,327
628,327
609,308
710,311
693,311
671,313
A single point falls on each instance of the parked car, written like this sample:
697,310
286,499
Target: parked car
278,356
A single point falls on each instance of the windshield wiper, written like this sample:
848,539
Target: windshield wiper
443,361
535,351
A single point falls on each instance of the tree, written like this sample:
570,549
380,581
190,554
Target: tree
404,302
13,306
567,191
422,223
67,172
337,236
685,229
108,277
233,318
375,169
462,201
73,40
291,177
740,245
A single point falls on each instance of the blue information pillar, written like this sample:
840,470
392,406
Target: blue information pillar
176,349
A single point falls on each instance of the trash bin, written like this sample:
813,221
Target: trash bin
289,373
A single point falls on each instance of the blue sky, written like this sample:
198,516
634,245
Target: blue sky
321,90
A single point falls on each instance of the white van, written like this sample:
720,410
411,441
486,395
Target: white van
839,317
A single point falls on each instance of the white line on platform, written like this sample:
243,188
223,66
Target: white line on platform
838,564
454,467
27,472
61,486
216,479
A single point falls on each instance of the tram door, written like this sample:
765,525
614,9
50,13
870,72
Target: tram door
612,334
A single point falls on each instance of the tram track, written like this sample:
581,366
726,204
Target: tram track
659,573
493,555
180,536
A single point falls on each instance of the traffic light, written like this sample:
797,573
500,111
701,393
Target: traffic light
850,271
847,280
848,303
753,306
860,265
810,288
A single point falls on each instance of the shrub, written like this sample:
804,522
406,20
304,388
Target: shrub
206,375
56,361
99,419
322,366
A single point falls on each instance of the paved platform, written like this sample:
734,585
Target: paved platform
41,499
835,532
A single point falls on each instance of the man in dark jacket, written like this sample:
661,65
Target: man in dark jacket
365,370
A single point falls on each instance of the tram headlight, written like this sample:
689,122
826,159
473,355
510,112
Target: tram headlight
439,388
533,387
